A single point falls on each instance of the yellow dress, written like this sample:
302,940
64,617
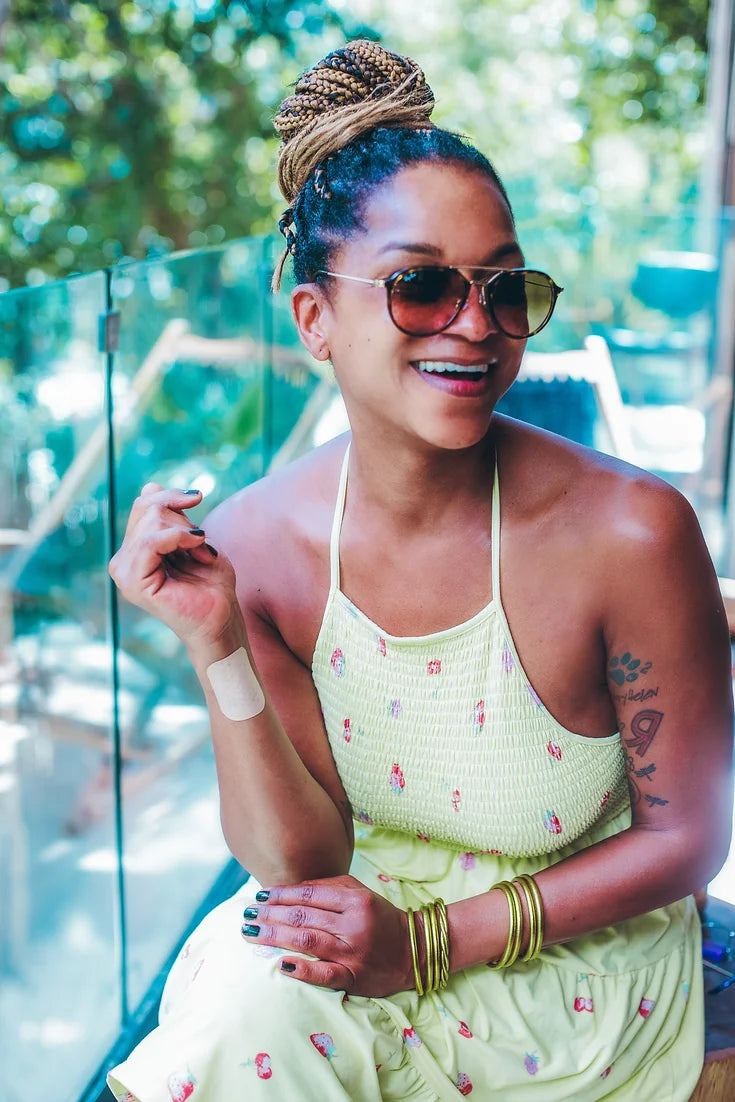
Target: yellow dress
458,777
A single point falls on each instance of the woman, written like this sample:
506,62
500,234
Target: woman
397,745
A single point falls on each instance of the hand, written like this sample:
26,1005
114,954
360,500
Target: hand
169,570
359,938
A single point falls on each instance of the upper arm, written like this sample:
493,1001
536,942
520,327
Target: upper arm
245,529
669,673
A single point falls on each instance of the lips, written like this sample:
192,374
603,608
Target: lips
462,380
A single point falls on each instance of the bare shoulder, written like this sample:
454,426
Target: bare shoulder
276,531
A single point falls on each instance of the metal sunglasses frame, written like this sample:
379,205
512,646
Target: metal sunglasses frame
482,286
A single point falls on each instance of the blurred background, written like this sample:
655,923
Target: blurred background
139,340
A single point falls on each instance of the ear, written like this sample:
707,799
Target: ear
312,313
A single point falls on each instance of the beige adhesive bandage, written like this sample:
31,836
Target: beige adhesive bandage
235,686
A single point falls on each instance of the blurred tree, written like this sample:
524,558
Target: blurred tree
130,129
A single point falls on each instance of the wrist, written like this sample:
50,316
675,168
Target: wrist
203,652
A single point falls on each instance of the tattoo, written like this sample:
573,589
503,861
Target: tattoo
647,771
626,668
654,800
643,727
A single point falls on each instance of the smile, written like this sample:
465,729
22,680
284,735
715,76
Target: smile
441,367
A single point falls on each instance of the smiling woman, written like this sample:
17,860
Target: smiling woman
475,833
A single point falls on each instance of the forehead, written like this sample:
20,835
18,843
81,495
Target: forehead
457,211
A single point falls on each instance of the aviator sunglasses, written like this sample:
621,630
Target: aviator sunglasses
423,301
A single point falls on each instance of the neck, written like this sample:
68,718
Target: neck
417,486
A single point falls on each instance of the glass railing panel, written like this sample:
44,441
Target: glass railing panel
203,400
59,989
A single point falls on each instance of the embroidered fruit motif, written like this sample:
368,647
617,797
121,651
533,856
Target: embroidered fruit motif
478,716
605,799
646,1007
395,708
467,861
606,1072
434,666
464,1083
423,837
508,660
337,662
263,1065
381,645
531,1063
456,799
411,1038
323,1043
181,1086
397,781
464,1030
551,822
554,750
364,817
347,730
384,878
583,1003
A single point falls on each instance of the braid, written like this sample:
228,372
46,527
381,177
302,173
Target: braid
354,120
349,92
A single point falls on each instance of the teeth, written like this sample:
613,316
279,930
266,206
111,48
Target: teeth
442,366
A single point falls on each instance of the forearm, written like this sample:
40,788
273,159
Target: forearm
278,821
626,875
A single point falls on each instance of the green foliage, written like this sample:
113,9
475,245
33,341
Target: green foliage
130,129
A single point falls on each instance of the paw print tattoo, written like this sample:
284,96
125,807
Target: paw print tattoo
626,668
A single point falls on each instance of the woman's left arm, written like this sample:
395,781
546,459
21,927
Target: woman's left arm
669,677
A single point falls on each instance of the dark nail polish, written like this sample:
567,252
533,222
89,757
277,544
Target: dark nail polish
250,912
262,896
212,550
250,931
193,493
288,966
196,531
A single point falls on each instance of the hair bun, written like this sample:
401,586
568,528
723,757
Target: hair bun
352,90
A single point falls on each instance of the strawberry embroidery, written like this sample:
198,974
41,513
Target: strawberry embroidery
478,716
605,799
395,708
467,861
347,730
646,1006
583,1003
464,1083
381,645
337,662
554,750
456,799
181,1086
464,1030
606,1072
508,661
411,1038
364,817
397,780
551,822
434,666
423,837
263,1065
531,1063
323,1043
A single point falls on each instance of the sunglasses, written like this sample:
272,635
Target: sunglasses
424,301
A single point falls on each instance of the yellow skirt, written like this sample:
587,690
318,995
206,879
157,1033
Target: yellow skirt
615,1015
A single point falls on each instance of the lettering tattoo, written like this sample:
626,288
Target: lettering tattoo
625,667
643,728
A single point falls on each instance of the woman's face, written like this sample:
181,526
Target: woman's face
427,214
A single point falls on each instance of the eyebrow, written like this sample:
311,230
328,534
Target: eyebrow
425,249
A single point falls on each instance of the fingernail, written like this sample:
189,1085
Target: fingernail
211,549
250,912
288,966
250,931
196,531
192,492
262,896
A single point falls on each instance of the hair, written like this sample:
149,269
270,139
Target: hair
354,121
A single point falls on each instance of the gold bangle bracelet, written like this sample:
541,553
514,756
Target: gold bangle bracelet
532,890
515,925
432,954
414,951
441,914
532,920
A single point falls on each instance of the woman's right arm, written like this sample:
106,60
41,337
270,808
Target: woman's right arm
283,821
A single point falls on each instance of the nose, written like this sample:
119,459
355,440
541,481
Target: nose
474,321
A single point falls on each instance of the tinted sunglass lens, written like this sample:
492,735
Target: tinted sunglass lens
522,301
425,300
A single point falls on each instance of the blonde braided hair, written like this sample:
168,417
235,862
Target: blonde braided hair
351,91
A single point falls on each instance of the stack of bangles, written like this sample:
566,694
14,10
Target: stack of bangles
535,909
436,940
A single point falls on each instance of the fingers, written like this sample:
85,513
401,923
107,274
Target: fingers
322,947
141,562
297,917
326,895
153,496
321,973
